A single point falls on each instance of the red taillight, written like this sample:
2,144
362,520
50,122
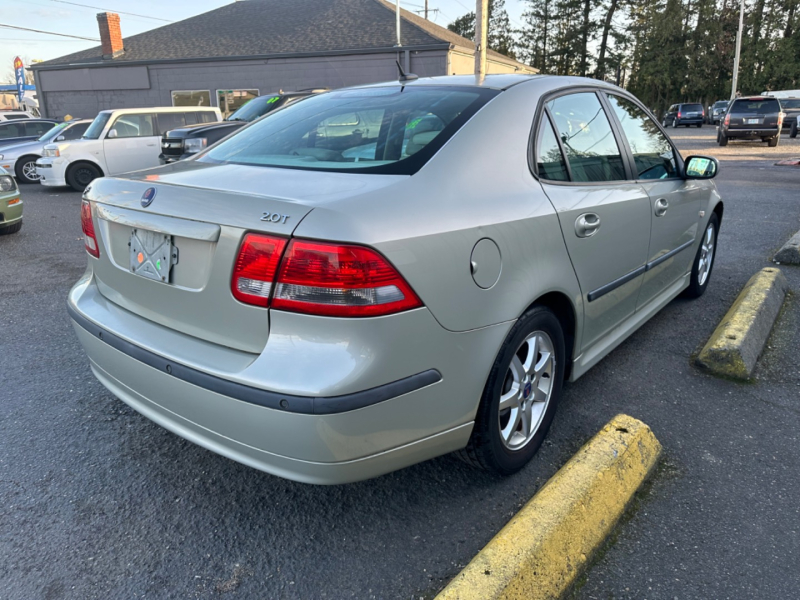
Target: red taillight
89,238
340,281
679,114
728,119
254,271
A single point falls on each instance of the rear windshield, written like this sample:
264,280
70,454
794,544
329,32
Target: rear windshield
793,103
97,126
257,107
720,104
755,106
693,107
383,130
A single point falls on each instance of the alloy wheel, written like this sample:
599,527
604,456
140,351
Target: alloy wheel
29,171
706,255
526,390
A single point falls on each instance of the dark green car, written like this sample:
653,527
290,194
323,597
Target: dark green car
10,204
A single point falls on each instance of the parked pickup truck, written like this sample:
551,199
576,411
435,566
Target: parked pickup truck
184,142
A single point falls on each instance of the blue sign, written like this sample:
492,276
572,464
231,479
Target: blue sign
19,77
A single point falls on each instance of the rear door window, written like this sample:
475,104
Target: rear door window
10,130
653,155
587,138
550,162
167,121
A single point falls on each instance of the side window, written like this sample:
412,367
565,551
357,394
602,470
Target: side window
652,152
76,131
10,130
206,116
549,160
139,125
587,138
191,118
167,121
37,129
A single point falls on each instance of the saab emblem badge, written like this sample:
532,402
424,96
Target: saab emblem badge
148,197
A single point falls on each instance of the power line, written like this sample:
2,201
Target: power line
77,37
111,10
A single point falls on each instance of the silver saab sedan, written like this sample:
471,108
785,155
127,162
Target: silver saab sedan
380,275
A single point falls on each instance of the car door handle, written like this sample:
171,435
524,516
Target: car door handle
661,207
587,225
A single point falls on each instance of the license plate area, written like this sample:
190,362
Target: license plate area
152,254
752,121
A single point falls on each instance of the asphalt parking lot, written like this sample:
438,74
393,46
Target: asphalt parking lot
99,502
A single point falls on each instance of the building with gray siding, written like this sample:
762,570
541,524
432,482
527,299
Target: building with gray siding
227,56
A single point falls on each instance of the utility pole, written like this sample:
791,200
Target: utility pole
481,35
426,10
738,52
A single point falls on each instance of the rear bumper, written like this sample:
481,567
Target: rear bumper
751,134
692,121
314,438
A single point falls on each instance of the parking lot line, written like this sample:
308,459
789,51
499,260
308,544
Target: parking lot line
544,548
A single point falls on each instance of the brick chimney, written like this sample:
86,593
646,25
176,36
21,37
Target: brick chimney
110,34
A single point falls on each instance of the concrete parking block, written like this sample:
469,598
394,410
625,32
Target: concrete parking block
545,547
737,342
789,254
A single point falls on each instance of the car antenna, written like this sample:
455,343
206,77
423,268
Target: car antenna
403,75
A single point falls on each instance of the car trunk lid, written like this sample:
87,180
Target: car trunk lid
169,238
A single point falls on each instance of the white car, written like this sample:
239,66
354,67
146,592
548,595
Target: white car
11,115
117,141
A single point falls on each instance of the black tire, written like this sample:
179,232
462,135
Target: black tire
793,130
19,169
486,449
772,142
81,174
696,288
699,124
11,228
664,123
722,139
675,123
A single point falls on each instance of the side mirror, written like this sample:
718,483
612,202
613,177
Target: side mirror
701,167
60,138
112,134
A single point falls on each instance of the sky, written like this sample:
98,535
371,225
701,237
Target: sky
64,17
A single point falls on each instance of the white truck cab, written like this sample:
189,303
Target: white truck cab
117,141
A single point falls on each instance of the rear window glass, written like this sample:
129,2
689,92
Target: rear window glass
793,103
720,104
693,107
755,106
389,130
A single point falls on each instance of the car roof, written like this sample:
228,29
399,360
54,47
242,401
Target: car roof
748,98
161,109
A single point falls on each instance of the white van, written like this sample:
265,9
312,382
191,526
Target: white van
117,141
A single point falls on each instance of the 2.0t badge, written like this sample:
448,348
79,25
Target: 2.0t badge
148,197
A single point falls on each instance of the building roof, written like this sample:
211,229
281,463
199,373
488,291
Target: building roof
277,27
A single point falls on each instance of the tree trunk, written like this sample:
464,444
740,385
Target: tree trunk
600,73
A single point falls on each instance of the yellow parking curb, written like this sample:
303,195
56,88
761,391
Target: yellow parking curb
544,548
737,342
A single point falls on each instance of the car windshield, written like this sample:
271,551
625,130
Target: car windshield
755,107
793,103
693,107
255,108
52,133
97,126
721,104
371,130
